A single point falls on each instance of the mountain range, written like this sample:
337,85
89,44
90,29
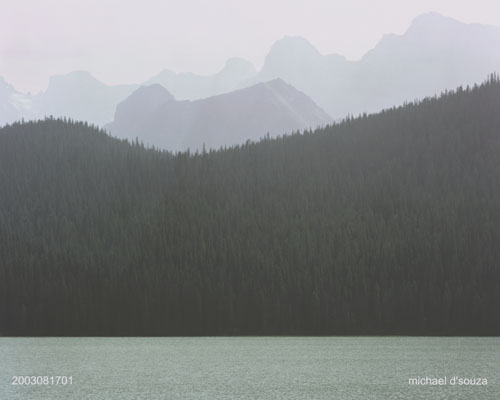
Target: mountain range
436,53
13,104
189,86
153,115
82,97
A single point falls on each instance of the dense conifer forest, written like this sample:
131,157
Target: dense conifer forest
380,224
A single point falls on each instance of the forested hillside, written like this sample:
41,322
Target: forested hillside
383,224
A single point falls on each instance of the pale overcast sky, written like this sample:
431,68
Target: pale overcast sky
128,41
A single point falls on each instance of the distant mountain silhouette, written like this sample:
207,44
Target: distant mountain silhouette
82,97
8,112
133,112
296,61
275,107
78,95
189,86
13,104
436,53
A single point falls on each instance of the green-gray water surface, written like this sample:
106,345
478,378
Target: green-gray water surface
250,367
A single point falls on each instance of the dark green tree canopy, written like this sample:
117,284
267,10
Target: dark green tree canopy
380,224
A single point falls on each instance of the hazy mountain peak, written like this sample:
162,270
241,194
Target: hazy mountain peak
274,85
432,23
293,46
278,82
239,65
163,74
154,92
8,110
190,86
137,107
423,27
431,17
75,75
5,87
281,85
290,57
78,78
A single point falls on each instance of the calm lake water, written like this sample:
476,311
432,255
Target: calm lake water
249,368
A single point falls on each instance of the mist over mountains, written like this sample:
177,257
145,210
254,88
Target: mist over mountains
189,86
13,104
436,53
82,97
274,210
152,114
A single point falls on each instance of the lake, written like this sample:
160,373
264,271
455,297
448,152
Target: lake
249,368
